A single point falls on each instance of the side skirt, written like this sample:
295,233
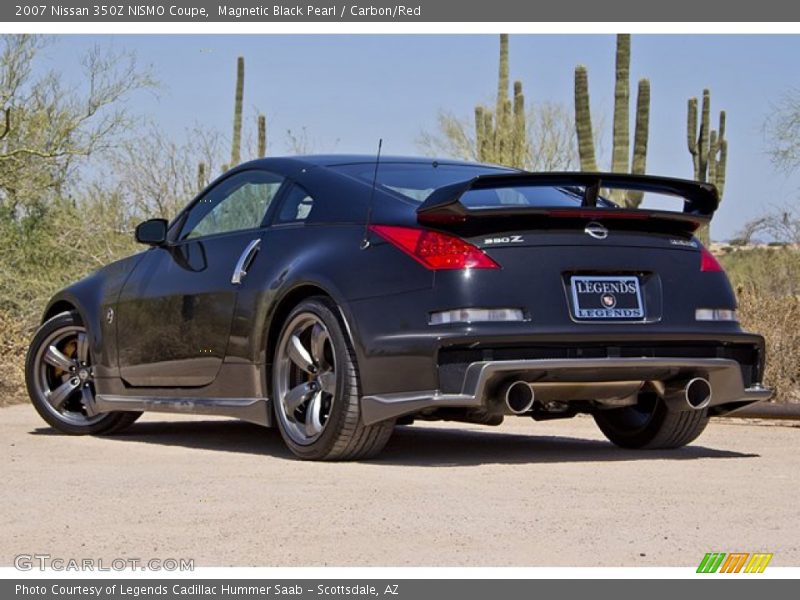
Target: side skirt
252,410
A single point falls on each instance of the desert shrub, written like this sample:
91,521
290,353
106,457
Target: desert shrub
767,283
770,271
13,345
40,254
776,317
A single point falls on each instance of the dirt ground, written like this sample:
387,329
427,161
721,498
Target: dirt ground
523,494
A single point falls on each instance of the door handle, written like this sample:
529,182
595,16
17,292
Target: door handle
240,270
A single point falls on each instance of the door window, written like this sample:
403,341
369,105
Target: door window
236,204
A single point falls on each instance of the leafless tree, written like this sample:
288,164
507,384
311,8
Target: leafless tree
782,132
750,229
158,175
48,126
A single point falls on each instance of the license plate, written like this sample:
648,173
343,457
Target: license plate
606,297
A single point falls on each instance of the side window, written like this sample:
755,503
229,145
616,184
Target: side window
297,206
236,204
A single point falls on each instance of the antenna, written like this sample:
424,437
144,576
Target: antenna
365,240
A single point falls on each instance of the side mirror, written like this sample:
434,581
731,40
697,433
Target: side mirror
152,232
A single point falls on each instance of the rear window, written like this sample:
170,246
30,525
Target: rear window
522,196
416,181
566,197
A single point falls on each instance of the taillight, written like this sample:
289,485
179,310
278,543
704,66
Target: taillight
435,250
708,262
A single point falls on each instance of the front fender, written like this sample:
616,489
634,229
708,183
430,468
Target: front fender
92,297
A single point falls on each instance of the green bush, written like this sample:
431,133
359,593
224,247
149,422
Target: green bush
40,254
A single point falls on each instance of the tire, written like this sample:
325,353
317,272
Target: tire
68,336
316,388
651,425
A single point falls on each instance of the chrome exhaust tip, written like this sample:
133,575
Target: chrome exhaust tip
518,397
694,394
697,393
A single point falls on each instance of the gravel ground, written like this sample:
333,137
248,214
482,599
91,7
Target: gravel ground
227,493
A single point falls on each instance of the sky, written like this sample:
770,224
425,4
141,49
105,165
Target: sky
348,91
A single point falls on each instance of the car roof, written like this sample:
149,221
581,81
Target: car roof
330,160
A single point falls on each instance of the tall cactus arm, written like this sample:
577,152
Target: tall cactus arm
502,111
640,139
621,145
262,136
236,139
691,125
705,137
519,133
691,135
583,120
480,134
489,134
502,75
713,150
721,166
503,136
642,131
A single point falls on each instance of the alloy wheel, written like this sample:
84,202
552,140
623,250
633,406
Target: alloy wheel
64,376
306,378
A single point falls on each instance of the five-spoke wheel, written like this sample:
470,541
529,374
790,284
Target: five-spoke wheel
316,388
64,376
306,377
60,379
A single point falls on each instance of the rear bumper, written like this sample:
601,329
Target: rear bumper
398,350
483,379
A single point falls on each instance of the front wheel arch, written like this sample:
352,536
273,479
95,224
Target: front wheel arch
61,306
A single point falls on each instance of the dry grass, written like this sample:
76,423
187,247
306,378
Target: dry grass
15,337
767,282
777,319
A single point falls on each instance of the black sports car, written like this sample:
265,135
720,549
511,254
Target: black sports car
336,296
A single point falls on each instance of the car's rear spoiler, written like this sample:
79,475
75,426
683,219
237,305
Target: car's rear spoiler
700,199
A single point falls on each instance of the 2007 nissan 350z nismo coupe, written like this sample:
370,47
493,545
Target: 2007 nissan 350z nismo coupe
337,296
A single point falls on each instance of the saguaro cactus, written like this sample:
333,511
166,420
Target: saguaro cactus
262,136
481,138
518,130
583,120
709,148
621,133
640,138
501,133
502,73
620,149
236,138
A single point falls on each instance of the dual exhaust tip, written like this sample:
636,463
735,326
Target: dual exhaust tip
518,397
694,394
